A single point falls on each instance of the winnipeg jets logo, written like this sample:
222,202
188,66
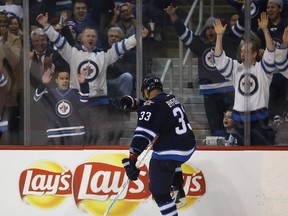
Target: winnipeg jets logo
91,68
63,108
248,86
208,59
277,42
254,10
149,102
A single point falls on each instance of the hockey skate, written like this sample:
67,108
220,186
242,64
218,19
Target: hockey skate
179,197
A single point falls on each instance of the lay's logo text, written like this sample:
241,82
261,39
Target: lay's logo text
95,183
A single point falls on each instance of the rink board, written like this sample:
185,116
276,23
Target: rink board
76,181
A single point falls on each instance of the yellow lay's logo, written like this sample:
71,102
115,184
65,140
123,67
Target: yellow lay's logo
45,184
194,184
99,180
95,183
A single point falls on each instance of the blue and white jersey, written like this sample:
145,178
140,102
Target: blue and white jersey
63,117
164,116
210,81
281,60
260,78
96,63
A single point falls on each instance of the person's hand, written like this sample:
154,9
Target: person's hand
82,75
3,34
263,21
171,10
43,20
131,170
48,61
116,10
285,37
46,78
128,102
261,52
31,54
64,15
219,28
58,27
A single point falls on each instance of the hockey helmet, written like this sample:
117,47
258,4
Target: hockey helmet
150,83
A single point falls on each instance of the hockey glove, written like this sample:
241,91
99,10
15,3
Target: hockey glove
129,103
131,170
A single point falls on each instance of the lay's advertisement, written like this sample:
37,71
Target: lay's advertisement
85,182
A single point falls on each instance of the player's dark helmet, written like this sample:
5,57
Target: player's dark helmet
150,83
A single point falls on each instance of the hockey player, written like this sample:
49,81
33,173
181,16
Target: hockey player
259,81
65,126
160,115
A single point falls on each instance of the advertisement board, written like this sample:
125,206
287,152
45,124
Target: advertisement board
41,182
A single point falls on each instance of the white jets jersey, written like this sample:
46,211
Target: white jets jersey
260,78
281,60
96,63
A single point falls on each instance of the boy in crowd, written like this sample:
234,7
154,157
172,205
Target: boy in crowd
65,126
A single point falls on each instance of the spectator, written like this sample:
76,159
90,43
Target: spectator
3,95
96,63
232,23
65,28
276,26
259,82
12,9
281,61
229,133
281,54
124,18
218,92
64,123
119,74
153,12
280,125
42,57
119,83
64,5
257,6
10,59
15,26
84,17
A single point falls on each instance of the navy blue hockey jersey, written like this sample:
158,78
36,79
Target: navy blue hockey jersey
63,110
210,80
164,116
